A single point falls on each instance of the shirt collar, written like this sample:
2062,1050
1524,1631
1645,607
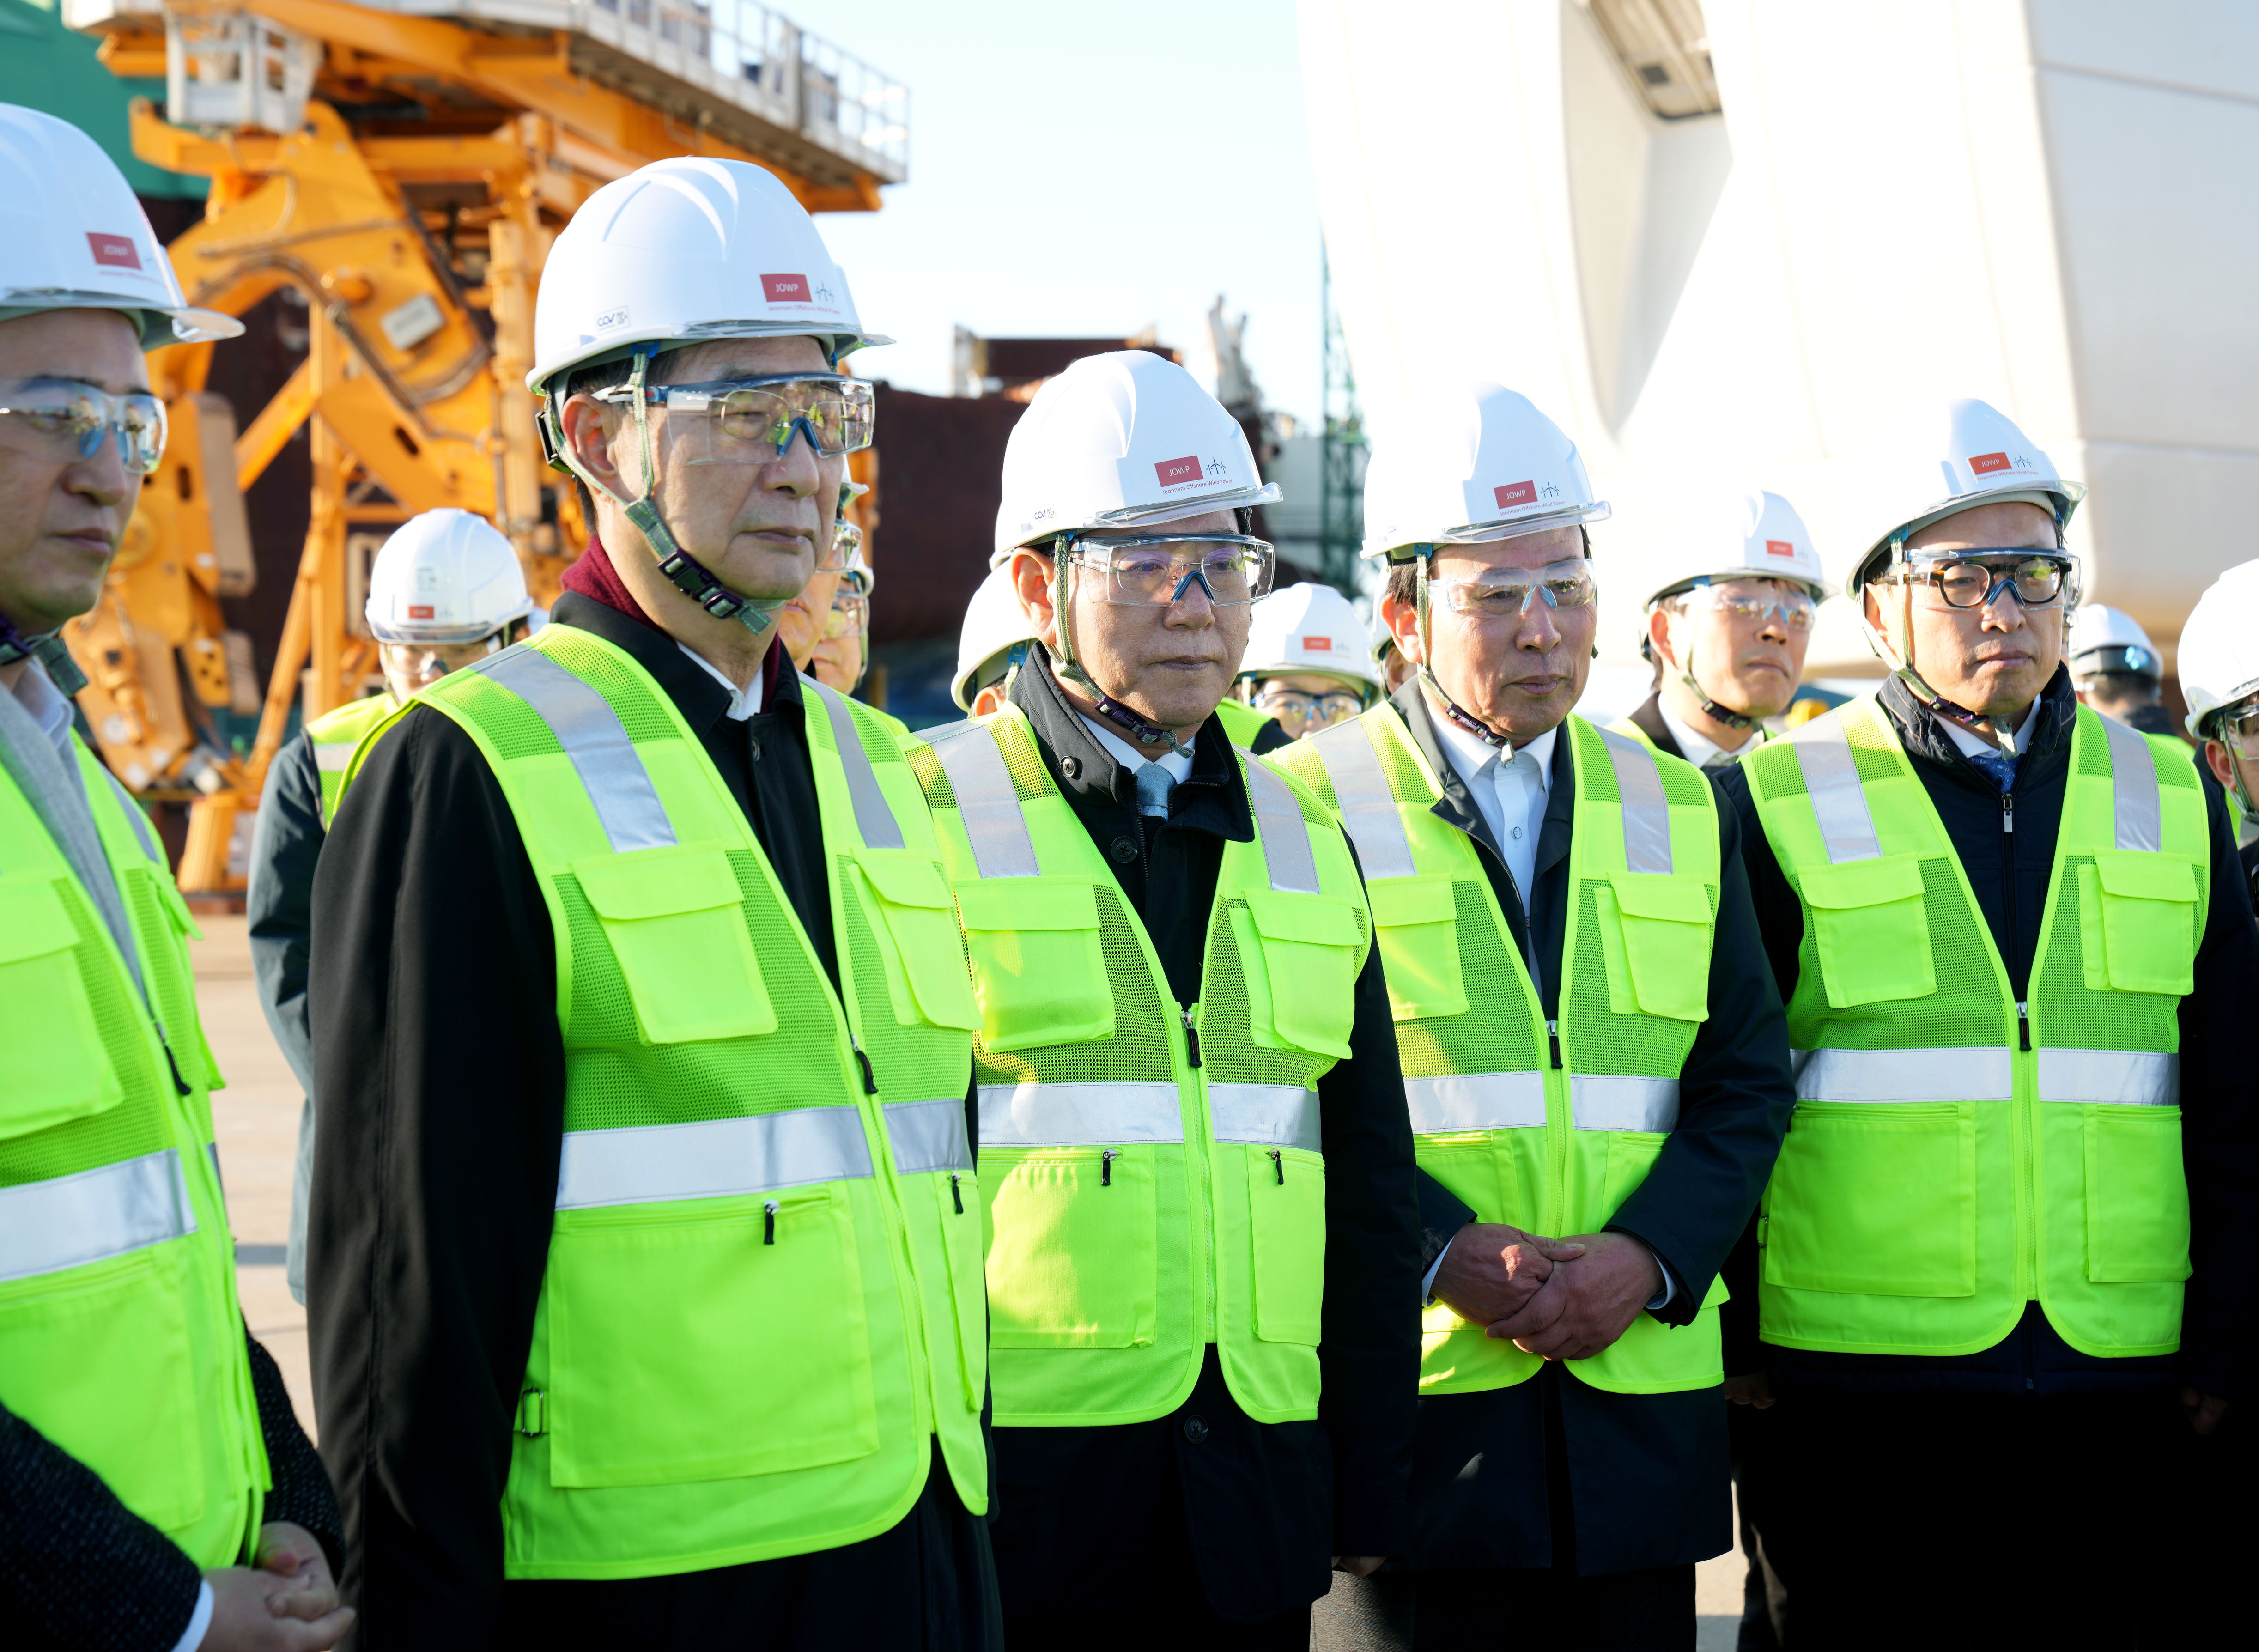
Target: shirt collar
743,702
1972,744
1699,748
1178,764
1472,757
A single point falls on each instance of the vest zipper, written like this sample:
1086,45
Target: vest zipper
1558,1135
1278,1163
956,1194
2026,1193
769,1208
1553,1042
870,1081
1191,1037
1106,1166
2023,1024
1207,1191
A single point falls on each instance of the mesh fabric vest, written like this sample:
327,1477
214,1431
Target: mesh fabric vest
763,1296
120,1339
1549,1126
1158,1169
334,736
1956,1154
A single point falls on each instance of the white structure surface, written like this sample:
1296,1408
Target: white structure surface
2050,204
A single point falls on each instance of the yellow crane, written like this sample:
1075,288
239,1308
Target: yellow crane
403,168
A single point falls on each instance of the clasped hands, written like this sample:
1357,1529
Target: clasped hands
285,1601
1557,1298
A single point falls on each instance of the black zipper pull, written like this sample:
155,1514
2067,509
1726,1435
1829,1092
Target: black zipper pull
1278,1163
2023,1026
1106,1166
870,1082
956,1197
769,1209
1553,1041
1191,1035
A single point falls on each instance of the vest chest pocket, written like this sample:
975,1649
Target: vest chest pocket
57,1067
1075,1261
2137,921
675,921
1299,955
1871,929
925,970
1416,924
1287,1219
1038,970
1654,935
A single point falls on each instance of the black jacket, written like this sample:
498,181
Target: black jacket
1079,1513
437,1054
279,912
2008,874
81,1572
1649,717
1640,1480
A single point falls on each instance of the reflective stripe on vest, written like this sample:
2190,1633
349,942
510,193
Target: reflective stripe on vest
1267,1115
2126,1077
1368,811
927,1136
70,1221
619,788
334,757
720,1159
1477,1102
873,817
1646,816
1610,1101
1285,834
1078,1115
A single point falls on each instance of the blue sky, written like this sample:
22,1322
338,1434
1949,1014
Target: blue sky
1087,168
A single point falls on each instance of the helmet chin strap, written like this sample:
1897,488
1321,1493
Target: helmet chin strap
1708,707
48,648
1459,713
1140,730
1896,650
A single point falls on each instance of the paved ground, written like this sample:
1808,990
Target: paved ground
257,1120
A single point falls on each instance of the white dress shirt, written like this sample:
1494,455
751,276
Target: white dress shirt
743,702
1179,764
1971,744
1699,749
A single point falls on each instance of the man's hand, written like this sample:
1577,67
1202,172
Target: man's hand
1756,1389
290,1551
1358,1565
1491,1270
2204,1411
1588,1302
255,1610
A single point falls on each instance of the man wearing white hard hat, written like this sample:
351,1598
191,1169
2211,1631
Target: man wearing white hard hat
2019,965
1192,1123
2116,669
2218,671
444,590
155,1489
1308,663
644,1266
1593,1058
1728,635
992,644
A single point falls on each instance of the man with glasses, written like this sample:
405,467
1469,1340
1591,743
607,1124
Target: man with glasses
644,1260
1309,662
1593,1059
1727,641
2008,1256
1194,1146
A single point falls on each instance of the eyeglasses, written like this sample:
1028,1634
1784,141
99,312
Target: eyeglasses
1509,593
2038,578
66,418
1297,710
1156,570
851,614
753,421
1756,600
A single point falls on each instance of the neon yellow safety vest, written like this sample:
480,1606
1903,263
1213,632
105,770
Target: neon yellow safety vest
1242,723
1549,1126
120,1338
335,736
763,1296
1956,1154
1157,1170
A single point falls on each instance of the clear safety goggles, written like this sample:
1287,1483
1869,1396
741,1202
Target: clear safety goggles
1299,711
2238,727
1756,601
420,664
850,613
66,419
1156,570
1509,593
2038,578
753,421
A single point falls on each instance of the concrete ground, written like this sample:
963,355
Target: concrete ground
256,1118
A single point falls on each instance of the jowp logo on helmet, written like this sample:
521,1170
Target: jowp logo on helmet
113,251
1780,548
786,290
1317,644
1986,464
1179,472
1513,494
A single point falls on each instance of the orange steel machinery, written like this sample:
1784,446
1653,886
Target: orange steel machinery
405,169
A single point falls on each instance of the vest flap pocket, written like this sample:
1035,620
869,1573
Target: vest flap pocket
1286,1222
2137,1206
676,926
1038,970
1076,1262
2147,921
58,1069
1310,948
1870,926
1661,951
1415,923
926,978
1875,1199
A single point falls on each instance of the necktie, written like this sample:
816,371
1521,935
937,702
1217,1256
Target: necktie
1154,784
1996,767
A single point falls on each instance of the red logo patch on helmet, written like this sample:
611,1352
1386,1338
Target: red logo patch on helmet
114,251
1176,472
786,290
1986,463
1780,548
1317,644
1521,493
420,610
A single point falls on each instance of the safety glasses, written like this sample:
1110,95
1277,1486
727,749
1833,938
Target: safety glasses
1756,601
1509,593
1156,570
2038,578
1298,711
2238,727
753,421
850,613
66,419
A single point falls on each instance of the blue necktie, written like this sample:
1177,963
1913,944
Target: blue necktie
1996,766
1154,784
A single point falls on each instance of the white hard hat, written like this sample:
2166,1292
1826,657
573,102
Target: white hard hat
1745,535
1308,628
2110,639
682,251
1977,458
1125,439
995,622
446,576
2219,659
72,237
1492,467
